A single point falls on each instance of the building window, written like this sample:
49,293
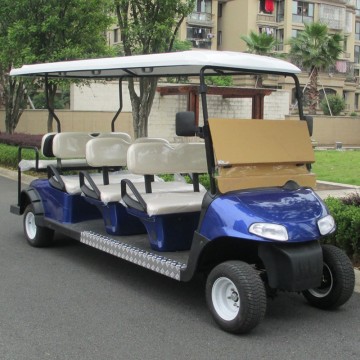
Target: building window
357,8
203,6
357,30
295,33
280,11
302,12
345,42
202,11
357,54
267,30
220,9
279,35
219,38
266,6
200,37
116,35
356,101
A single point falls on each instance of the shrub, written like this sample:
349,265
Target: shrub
336,103
347,234
19,139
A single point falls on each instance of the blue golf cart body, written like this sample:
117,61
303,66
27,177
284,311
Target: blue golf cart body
255,230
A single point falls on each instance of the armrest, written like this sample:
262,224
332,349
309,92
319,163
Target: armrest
139,203
90,190
55,178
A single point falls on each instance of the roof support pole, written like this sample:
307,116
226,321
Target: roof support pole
206,133
120,106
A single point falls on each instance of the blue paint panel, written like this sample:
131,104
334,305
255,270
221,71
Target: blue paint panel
172,232
63,207
117,220
298,210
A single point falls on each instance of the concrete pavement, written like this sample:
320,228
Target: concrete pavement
325,189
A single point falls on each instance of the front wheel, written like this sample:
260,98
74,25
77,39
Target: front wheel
35,235
337,283
236,296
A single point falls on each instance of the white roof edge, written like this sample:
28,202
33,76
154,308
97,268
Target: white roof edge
186,62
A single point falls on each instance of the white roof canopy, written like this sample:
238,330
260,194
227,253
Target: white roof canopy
165,64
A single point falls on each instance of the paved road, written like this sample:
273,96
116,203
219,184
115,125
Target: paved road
74,302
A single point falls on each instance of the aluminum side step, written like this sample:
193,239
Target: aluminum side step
146,259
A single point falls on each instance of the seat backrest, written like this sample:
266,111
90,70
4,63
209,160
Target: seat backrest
151,139
121,135
162,158
47,144
107,151
70,145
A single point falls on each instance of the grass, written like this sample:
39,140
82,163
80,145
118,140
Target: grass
338,166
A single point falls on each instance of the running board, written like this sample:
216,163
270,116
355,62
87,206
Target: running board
154,262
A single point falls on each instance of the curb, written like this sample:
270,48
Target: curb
26,179
13,175
357,280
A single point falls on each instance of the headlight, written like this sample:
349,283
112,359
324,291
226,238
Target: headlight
269,231
326,225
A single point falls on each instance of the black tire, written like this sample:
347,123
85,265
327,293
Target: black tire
338,280
236,296
36,236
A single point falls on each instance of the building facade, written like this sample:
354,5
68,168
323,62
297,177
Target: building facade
218,25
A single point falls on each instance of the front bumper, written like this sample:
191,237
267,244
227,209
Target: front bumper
292,267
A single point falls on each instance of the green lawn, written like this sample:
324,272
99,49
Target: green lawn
338,166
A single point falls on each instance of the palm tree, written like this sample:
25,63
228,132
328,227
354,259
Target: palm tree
315,49
261,44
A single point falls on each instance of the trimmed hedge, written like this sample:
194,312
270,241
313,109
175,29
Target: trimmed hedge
346,213
9,144
19,139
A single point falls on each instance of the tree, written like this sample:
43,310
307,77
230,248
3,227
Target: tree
260,44
315,49
52,30
332,105
13,89
148,26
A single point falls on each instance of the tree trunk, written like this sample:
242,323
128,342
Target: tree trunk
313,95
14,99
141,104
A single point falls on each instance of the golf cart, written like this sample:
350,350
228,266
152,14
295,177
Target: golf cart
255,230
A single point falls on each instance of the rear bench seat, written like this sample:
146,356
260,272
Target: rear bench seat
170,211
82,146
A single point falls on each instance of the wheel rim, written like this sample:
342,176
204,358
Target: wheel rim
30,225
326,285
225,298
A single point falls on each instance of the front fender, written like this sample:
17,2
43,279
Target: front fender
232,214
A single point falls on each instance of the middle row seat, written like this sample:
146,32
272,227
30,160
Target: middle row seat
157,158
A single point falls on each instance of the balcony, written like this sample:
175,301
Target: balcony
200,19
266,18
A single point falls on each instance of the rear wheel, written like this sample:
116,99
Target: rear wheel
36,236
337,283
236,296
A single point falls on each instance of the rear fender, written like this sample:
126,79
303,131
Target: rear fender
31,196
